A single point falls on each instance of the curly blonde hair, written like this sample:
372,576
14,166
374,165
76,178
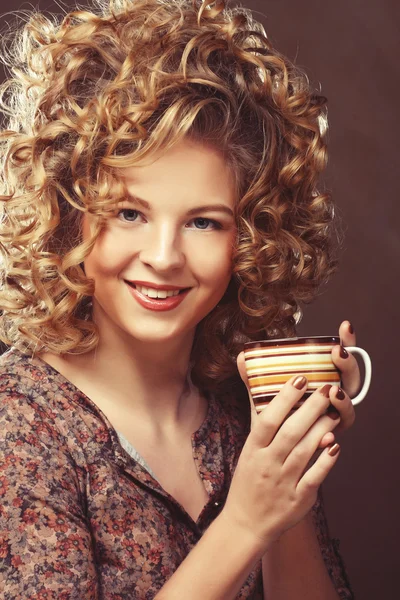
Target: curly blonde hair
106,88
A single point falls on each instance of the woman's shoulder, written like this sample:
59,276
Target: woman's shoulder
20,372
13,361
25,385
31,392
27,418
41,412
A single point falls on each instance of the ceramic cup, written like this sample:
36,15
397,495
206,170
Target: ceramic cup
270,363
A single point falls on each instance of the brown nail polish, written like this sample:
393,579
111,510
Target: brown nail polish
343,352
351,328
333,450
325,390
340,395
299,382
333,413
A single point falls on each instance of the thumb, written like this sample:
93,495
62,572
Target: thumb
241,365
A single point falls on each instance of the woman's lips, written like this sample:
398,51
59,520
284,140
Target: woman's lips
157,304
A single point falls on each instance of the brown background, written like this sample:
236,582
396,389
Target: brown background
351,48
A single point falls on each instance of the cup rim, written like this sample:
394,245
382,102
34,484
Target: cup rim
301,340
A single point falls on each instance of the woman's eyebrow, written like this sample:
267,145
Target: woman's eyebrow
211,208
203,208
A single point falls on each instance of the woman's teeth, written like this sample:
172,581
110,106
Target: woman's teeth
151,293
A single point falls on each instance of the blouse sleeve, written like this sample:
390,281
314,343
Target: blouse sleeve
330,551
45,542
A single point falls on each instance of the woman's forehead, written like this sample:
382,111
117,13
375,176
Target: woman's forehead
187,171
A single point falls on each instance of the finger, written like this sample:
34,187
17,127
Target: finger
304,452
317,473
347,334
297,425
349,370
327,439
271,418
342,402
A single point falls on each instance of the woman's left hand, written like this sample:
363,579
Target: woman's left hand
351,381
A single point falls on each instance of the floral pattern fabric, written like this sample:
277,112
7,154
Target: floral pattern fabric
81,519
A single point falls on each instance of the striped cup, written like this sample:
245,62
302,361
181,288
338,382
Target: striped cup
270,363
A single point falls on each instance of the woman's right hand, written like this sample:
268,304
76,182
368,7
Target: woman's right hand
271,489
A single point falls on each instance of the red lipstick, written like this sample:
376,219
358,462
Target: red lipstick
156,286
158,304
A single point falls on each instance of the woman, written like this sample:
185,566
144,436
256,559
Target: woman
159,209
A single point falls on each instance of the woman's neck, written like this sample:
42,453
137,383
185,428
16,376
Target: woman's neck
140,374
148,380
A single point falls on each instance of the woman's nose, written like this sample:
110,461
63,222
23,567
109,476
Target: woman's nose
162,250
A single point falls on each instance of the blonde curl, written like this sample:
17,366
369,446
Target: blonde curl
107,88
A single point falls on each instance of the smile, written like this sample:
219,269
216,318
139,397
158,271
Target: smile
152,293
158,300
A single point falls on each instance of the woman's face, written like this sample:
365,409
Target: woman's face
179,234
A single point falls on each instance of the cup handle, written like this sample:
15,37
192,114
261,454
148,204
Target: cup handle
368,372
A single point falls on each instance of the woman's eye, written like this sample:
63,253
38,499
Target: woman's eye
130,214
203,223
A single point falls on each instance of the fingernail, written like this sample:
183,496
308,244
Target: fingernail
333,450
351,328
343,352
299,382
340,395
325,390
333,413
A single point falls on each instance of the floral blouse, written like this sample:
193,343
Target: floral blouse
82,517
